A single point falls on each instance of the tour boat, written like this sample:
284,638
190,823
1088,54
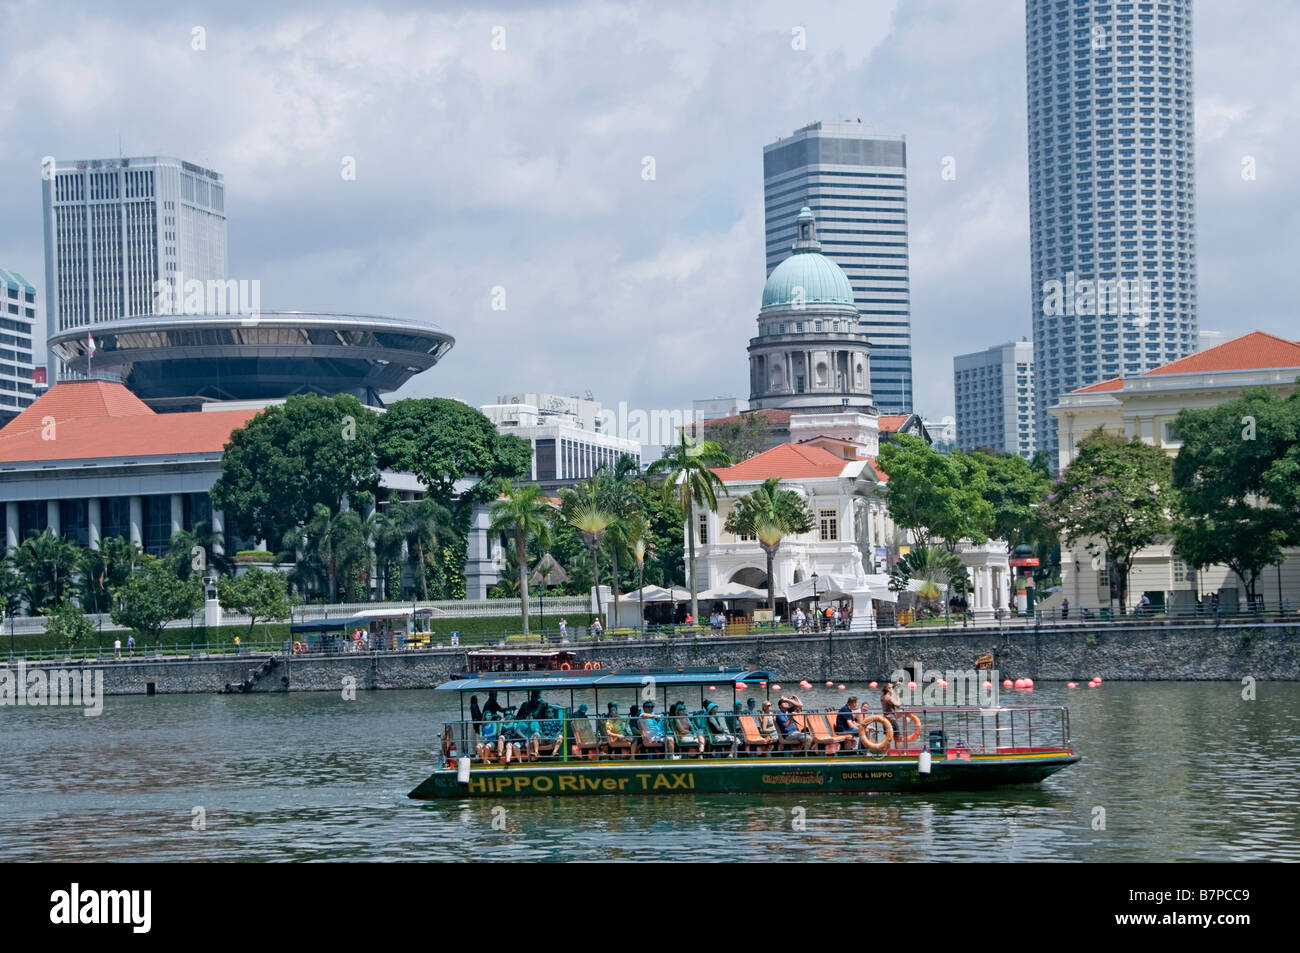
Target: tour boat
570,751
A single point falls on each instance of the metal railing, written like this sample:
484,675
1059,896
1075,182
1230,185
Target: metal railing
954,732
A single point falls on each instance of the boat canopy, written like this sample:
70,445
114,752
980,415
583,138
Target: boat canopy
598,678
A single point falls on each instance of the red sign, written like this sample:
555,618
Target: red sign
38,375
1027,561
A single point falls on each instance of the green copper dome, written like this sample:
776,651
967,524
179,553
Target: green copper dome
807,276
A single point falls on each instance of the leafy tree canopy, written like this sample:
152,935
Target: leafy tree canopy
937,496
154,596
442,440
311,451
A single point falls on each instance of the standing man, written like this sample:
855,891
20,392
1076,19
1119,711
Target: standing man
130,645
117,648
564,630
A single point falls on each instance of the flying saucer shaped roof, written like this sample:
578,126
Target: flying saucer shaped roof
169,360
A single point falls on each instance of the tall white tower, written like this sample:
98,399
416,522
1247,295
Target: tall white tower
114,227
1112,191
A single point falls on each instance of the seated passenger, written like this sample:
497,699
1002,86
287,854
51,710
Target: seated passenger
720,732
489,734
789,729
615,727
686,732
846,722
653,734
516,740
767,723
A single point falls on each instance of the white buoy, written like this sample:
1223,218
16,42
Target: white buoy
462,770
923,762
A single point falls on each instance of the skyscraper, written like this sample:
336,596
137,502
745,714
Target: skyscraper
113,227
17,321
994,391
855,183
1111,191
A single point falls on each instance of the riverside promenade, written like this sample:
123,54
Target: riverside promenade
1155,650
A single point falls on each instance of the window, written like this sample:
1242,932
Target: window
1182,572
704,529
829,521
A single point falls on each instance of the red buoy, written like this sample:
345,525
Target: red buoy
1006,683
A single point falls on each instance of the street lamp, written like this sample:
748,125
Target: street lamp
816,610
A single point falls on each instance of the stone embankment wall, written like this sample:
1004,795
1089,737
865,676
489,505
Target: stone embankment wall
1155,651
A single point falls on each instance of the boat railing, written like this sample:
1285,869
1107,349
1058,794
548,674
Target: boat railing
948,732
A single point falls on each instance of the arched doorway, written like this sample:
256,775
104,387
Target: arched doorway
750,576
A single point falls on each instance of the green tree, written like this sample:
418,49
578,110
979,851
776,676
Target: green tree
153,596
935,569
258,593
1281,483
197,552
617,488
523,513
429,529
69,627
582,508
770,514
1015,491
939,497
636,531
288,460
1117,497
331,548
384,530
740,437
48,564
104,569
687,471
1225,515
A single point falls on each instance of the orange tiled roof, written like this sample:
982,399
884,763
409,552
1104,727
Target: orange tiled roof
891,422
77,420
773,417
1115,383
1253,351
789,461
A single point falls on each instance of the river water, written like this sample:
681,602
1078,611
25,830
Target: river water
1182,771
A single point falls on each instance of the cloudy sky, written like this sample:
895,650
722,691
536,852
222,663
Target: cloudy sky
521,168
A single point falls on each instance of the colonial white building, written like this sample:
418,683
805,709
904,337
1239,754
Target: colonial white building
1145,406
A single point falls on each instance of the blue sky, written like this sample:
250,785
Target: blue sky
521,168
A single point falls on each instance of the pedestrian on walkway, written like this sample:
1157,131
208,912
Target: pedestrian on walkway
117,648
130,645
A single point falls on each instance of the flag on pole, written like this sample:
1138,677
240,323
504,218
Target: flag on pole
90,340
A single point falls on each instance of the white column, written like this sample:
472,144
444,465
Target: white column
137,520
94,522
219,526
11,526
178,513
52,516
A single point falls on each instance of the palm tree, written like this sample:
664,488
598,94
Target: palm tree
583,510
688,468
106,568
524,513
332,545
180,550
770,514
617,487
47,563
934,568
427,526
636,533
384,529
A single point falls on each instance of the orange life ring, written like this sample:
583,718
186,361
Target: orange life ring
916,732
297,648
586,666
595,665
884,743
565,667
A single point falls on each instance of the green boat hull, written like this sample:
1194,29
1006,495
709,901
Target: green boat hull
764,775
